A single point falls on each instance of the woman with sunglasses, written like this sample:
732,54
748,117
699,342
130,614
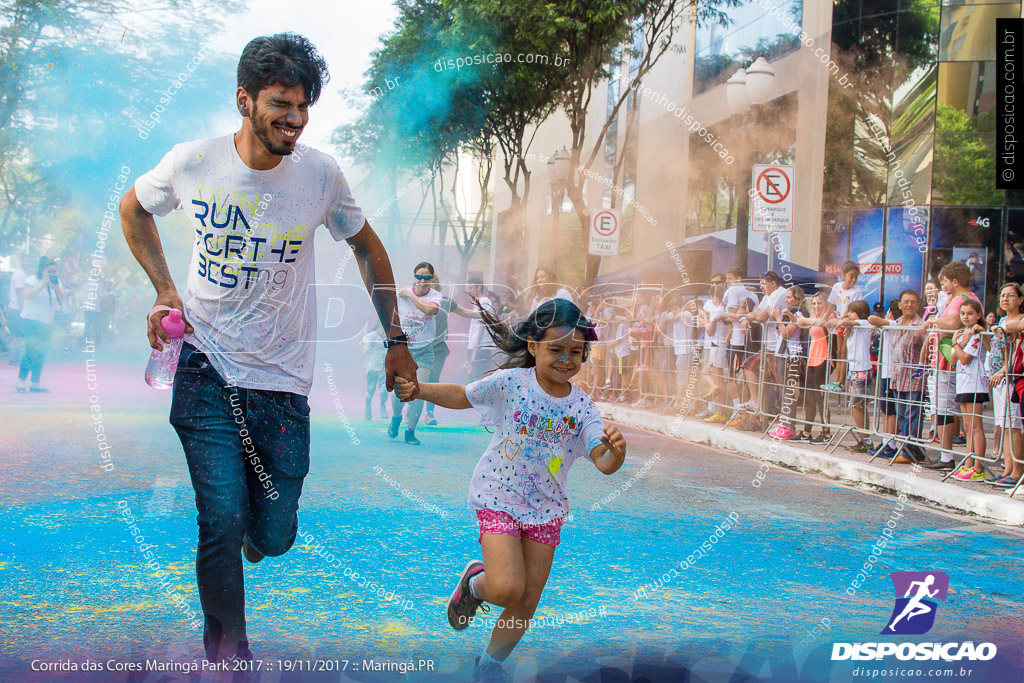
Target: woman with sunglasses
417,307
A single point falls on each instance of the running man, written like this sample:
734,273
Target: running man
915,607
239,397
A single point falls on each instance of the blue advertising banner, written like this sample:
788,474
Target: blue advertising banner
906,240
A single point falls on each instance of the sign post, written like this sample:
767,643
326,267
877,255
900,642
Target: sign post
604,232
772,194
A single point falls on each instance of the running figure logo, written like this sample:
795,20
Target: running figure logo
914,613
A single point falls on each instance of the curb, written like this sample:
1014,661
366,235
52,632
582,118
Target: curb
990,506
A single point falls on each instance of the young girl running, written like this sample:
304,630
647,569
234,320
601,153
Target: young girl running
542,425
971,385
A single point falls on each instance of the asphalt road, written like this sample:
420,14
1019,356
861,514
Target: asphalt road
75,588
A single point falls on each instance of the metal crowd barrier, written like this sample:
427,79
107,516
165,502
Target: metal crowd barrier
780,391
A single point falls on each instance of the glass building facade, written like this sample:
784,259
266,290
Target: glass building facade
910,148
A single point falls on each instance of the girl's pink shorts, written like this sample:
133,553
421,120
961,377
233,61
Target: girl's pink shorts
497,522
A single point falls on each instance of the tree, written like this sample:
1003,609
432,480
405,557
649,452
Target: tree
73,80
442,110
588,32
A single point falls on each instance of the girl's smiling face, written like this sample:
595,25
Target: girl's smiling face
968,316
559,353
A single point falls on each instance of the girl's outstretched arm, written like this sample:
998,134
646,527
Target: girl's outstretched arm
610,455
445,395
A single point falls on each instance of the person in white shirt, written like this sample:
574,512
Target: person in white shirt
969,351
239,395
839,300
790,349
14,305
772,301
42,296
373,349
859,357
418,307
447,306
544,288
717,331
480,347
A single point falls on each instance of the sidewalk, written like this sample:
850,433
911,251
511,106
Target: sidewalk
976,498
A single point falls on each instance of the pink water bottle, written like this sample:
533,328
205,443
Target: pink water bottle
162,364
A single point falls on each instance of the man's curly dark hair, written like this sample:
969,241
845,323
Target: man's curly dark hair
284,59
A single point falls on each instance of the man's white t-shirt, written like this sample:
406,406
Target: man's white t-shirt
885,360
249,288
842,298
771,302
420,327
737,293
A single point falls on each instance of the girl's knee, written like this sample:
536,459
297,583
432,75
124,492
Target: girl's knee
507,593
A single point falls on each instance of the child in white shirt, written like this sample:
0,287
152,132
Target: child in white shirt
971,385
859,357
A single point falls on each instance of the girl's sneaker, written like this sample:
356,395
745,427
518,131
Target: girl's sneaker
736,421
1005,483
818,439
488,673
717,418
968,474
782,432
462,606
803,437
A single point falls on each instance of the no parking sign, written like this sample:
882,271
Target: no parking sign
772,198
604,232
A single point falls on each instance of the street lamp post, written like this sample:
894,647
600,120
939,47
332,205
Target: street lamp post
558,176
746,91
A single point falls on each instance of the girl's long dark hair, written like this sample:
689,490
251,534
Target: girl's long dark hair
512,339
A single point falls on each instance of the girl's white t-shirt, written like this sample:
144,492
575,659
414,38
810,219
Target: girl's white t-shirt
842,298
858,349
971,378
537,438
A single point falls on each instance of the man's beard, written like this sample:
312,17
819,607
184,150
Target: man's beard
264,130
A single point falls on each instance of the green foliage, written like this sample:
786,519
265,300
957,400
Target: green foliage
965,160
